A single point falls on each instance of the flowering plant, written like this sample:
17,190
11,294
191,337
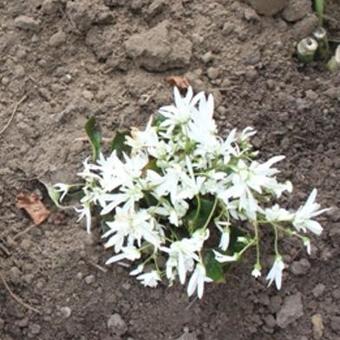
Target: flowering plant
178,200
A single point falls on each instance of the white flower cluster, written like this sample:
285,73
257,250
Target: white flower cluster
182,191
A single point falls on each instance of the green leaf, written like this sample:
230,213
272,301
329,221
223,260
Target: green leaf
53,194
118,143
214,269
198,216
95,137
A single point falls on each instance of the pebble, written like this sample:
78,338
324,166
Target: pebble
207,57
305,27
268,8
318,290
275,303
292,309
296,10
65,312
27,23
335,323
117,325
300,267
22,323
15,275
34,328
213,73
250,15
57,39
318,326
26,244
270,321
227,29
336,294
90,279
251,75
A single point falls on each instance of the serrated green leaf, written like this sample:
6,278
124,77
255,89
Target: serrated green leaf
118,143
94,135
214,269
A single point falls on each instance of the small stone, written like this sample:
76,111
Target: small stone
251,75
336,294
87,95
275,303
15,275
65,312
26,244
300,267
5,81
268,8
22,323
318,326
34,328
207,57
50,7
27,23
117,325
250,15
296,10
305,27
291,310
318,290
57,39
157,7
187,336
227,29
335,323
270,321
213,73
90,279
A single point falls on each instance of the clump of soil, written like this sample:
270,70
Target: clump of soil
109,59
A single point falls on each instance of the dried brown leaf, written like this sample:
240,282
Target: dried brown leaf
181,82
33,206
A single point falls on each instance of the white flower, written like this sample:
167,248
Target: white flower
306,243
256,272
137,270
197,280
223,227
277,214
150,279
183,254
128,253
275,273
225,258
132,226
141,140
303,217
85,211
62,189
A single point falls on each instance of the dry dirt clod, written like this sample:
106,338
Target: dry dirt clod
300,267
159,49
57,39
291,310
296,10
268,8
318,290
117,325
27,23
305,27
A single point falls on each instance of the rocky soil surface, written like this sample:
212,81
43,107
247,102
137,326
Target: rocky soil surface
62,61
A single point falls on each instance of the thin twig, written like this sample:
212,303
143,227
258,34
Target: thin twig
23,232
13,113
17,298
191,303
102,269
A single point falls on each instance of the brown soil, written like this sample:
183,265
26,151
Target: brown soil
246,62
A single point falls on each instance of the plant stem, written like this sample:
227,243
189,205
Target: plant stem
211,214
